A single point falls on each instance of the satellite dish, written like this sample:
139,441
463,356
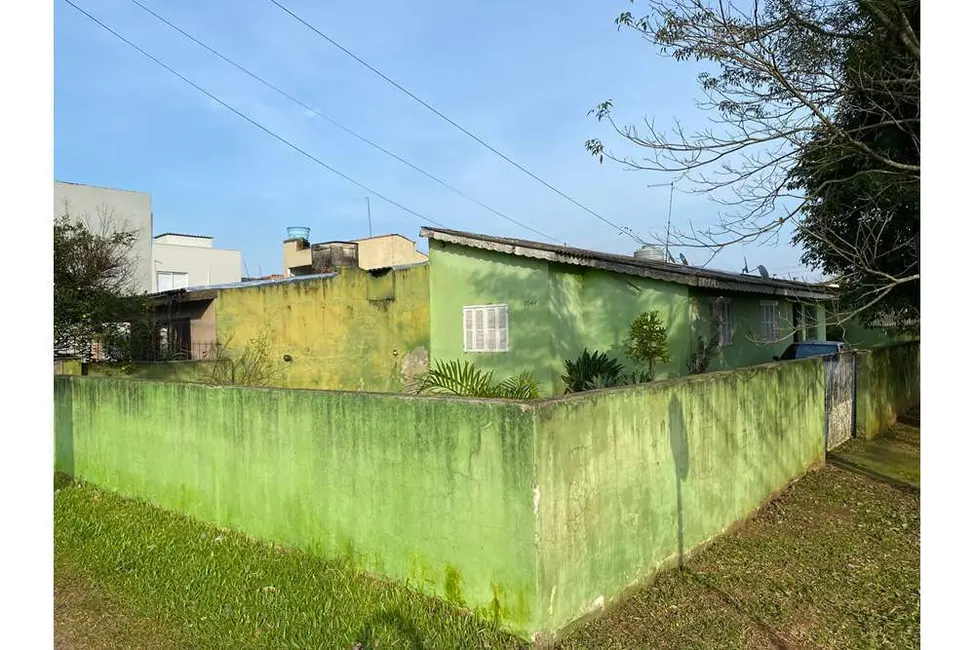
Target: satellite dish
683,260
762,271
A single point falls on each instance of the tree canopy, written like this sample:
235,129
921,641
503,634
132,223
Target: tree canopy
815,126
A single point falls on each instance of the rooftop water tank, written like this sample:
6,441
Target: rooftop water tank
650,252
299,232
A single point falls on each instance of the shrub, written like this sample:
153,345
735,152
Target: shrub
647,342
463,379
582,373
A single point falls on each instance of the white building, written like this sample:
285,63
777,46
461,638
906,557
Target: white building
105,210
181,261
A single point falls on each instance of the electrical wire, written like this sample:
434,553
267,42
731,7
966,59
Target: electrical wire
334,122
619,229
251,120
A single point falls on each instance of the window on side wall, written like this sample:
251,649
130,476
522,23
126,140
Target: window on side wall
811,322
486,328
722,314
770,320
169,280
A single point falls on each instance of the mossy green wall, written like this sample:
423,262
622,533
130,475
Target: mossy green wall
354,331
536,513
888,385
554,311
630,478
180,371
432,490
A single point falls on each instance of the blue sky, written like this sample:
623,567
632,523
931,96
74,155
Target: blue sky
521,75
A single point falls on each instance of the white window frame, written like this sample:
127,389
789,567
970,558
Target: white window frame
478,334
722,312
770,316
173,275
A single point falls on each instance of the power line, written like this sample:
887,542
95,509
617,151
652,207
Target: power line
314,110
436,112
249,119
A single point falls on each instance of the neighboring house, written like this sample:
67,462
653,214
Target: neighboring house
379,252
513,305
106,210
181,261
349,330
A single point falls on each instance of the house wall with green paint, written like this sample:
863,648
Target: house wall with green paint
558,310
430,490
751,344
888,384
554,311
354,331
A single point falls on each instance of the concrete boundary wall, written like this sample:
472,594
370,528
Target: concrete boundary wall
888,384
535,514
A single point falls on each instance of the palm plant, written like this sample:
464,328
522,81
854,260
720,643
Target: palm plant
464,379
583,372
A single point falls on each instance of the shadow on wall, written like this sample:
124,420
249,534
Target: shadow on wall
679,451
557,311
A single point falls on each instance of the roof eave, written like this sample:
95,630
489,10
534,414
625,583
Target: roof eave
689,279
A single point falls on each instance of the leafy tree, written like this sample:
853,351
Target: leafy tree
815,127
862,223
647,342
464,379
93,288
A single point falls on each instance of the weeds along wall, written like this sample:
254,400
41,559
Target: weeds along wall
534,514
888,384
434,491
630,479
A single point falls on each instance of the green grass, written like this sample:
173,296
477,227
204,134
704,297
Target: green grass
833,563
204,587
895,455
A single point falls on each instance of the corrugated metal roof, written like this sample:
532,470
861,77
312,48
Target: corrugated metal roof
667,271
180,234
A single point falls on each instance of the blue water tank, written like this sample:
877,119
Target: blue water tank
299,232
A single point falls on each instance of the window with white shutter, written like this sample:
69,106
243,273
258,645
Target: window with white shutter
486,328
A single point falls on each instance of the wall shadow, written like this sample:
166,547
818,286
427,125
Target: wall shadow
680,454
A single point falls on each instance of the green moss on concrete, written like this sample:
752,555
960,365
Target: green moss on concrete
631,479
888,385
434,491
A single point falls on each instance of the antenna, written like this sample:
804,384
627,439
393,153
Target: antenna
745,270
369,215
762,271
683,260
670,211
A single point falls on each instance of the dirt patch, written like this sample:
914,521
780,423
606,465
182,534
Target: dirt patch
86,617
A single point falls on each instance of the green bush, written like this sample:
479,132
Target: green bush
591,370
463,379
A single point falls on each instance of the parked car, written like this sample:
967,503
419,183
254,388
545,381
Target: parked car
808,349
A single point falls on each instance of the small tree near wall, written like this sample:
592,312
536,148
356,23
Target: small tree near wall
647,342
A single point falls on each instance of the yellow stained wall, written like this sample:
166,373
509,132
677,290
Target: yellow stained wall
353,331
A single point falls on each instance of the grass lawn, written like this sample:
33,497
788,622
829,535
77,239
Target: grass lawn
131,575
896,455
833,563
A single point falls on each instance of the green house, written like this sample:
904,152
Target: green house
511,305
